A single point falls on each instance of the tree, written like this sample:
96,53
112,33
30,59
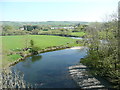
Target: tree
7,30
34,49
103,56
35,32
31,43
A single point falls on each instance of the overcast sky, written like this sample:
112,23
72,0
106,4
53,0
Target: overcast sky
56,10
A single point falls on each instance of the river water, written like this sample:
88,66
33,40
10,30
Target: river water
50,69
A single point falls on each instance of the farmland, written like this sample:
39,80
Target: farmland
13,44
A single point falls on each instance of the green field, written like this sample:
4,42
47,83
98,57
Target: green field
42,41
14,44
79,34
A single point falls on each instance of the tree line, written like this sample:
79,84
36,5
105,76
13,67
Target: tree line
38,30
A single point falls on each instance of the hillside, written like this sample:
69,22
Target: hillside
14,23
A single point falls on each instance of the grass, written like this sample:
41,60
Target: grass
80,34
42,41
14,57
16,43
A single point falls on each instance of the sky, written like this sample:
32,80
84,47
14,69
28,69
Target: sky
56,10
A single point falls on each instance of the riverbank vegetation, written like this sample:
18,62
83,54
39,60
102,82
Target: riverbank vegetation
103,53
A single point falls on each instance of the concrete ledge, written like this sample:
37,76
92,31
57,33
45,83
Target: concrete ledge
84,80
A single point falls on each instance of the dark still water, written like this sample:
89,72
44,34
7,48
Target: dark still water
50,69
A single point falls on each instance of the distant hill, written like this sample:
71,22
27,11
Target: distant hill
42,23
17,25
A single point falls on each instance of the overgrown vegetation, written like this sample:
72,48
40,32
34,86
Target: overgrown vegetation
103,51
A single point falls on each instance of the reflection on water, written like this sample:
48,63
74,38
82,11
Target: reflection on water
29,61
76,38
50,69
36,58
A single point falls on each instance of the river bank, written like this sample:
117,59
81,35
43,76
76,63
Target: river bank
11,50
42,51
50,68
7,74
85,80
63,35
78,72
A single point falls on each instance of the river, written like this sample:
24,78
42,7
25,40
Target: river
50,69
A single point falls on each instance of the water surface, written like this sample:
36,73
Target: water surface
50,69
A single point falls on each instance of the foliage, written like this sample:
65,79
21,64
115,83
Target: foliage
33,49
103,56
